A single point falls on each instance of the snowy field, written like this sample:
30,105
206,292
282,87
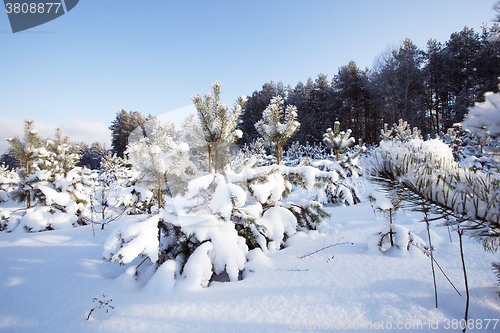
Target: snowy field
48,281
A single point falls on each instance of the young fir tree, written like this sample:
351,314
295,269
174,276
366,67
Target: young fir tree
400,132
54,189
337,141
58,155
26,153
215,127
158,157
119,191
106,199
278,125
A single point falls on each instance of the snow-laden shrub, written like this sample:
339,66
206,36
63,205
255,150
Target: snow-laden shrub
336,140
296,153
58,200
255,149
226,214
324,181
115,193
26,154
119,189
250,195
8,182
396,236
200,245
471,151
56,192
135,236
57,156
434,153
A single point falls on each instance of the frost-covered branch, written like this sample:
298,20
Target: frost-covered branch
427,172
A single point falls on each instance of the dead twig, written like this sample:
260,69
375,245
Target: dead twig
323,248
104,303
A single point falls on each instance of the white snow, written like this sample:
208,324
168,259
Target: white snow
139,237
48,280
278,221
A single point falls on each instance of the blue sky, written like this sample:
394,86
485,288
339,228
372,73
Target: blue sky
78,71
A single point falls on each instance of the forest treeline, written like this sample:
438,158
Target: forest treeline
430,89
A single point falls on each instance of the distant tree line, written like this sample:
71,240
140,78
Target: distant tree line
431,89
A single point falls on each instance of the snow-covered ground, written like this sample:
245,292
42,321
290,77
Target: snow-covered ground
48,281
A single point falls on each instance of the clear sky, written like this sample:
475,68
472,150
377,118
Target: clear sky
78,71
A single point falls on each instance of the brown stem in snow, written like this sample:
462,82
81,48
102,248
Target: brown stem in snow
432,259
460,234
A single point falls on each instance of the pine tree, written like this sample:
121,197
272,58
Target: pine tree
428,173
300,97
463,81
26,153
397,84
278,125
9,161
350,84
321,109
158,157
108,201
254,105
215,127
50,179
91,156
121,128
58,155
436,86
